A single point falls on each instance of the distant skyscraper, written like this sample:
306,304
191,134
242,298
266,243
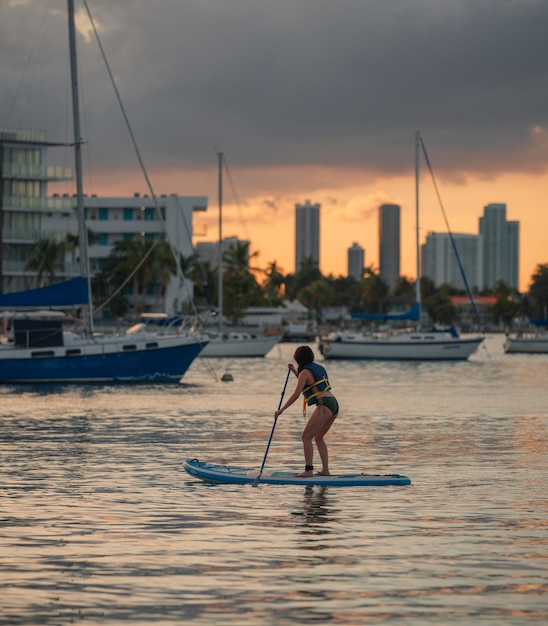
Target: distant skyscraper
356,261
512,267
500,246
440,264
307,233
389,243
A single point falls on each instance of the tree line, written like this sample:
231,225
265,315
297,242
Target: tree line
143,267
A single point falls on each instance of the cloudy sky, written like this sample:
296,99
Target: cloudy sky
308,99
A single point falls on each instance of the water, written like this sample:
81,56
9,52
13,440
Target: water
100,525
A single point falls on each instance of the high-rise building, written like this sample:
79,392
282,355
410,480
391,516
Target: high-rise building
307,233
500,246
512,267
389,243
440,263
356,261
25,205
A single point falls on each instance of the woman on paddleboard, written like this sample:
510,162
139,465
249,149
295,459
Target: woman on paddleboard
313,383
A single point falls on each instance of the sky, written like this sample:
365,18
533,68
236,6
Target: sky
308,100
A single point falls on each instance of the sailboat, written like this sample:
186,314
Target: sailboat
225,342
533,341
39,350
415,345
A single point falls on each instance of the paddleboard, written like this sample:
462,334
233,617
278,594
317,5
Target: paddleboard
215,473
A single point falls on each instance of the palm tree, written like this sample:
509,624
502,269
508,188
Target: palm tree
146,263
317,295
306,274
273,283
240,287
539,289
374,291
47,257
72,242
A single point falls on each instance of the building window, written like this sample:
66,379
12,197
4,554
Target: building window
128,215
128,236
103,214
149,215
103,239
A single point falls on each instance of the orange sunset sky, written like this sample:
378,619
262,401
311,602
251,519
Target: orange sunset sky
259,205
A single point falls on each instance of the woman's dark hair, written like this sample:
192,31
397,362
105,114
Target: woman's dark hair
303,356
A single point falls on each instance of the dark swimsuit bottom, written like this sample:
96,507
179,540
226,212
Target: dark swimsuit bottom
330,402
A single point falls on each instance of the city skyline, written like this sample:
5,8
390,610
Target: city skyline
332,120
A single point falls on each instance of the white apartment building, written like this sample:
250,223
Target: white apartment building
122,219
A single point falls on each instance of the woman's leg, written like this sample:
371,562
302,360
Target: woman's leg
320,443
317,426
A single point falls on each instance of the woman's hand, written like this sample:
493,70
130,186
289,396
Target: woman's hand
277,414
292,368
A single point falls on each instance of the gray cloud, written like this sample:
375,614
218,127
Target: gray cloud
292,82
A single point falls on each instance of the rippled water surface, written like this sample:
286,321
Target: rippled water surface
100,524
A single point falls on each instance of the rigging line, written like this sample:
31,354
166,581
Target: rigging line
139,158
237,199
27,65
198,265
453,244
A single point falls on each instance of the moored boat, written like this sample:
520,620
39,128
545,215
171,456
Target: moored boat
532,341
399,346
36,348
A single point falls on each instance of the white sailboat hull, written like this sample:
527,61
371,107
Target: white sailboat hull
527,345
239,345
409,346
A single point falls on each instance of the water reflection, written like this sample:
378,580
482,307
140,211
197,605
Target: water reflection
316,507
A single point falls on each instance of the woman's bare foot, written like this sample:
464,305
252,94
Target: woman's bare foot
305,474
322,473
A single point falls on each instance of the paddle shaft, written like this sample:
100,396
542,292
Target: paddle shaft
256,481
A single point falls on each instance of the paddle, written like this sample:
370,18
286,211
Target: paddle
256,481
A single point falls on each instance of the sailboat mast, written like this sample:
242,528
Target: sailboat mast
417,171
220,260
82,232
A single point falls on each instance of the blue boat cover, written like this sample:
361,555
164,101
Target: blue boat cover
68,293
413,314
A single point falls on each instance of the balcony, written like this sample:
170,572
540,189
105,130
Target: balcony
30,235
18,267
50,173
56,203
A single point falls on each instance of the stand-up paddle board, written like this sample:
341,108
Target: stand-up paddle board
215,473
